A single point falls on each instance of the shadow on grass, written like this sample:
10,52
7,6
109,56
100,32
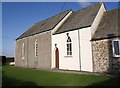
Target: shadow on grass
10,82
114,81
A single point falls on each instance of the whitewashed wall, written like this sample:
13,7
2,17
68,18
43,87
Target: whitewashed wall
85,49
61,22
84,62
65,62
74,62
97,19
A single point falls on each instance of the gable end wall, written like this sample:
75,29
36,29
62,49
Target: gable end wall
97,19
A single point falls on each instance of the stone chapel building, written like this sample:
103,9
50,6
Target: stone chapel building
85,40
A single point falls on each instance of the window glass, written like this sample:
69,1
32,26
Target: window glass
69,46
23,50
116,48
36,48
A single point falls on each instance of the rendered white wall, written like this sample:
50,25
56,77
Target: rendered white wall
97,19
65,62
73,63
61,22
85,49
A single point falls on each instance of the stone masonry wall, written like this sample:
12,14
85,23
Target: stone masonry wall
18,53
43,60
103,60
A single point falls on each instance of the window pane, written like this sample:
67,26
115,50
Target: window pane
67,53
36,48
69,39
23,50
70,53
67,49
70,47
116,48
67,45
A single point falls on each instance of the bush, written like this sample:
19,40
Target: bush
3,58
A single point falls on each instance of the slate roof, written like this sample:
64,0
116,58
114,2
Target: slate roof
45,25
108,27
80,19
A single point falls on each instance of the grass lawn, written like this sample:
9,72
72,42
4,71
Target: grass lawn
14,76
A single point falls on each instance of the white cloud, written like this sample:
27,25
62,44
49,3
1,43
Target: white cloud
84,4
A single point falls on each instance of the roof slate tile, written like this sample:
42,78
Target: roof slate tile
108,26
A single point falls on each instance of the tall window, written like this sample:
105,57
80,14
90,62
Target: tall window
116,48
36,48
69,45
23,50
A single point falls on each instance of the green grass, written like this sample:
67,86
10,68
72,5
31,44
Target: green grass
14,76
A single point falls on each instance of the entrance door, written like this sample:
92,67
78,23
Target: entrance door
57,58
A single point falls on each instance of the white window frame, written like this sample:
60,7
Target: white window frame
70,50
114,55
36,48
23,50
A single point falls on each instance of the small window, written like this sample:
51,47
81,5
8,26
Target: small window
36,48
116,48
69,46
23,50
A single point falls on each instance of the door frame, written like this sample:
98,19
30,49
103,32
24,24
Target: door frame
57,58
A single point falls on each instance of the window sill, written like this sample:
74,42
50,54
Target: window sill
116,56
68,56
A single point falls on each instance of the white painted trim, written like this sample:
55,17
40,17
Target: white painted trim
114,55
98,19
61,22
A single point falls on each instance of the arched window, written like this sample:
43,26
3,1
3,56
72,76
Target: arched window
23,50
69,45
36,48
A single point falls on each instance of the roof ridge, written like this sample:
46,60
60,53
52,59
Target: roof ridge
53,16
90,6
80,19
29,31
113,9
